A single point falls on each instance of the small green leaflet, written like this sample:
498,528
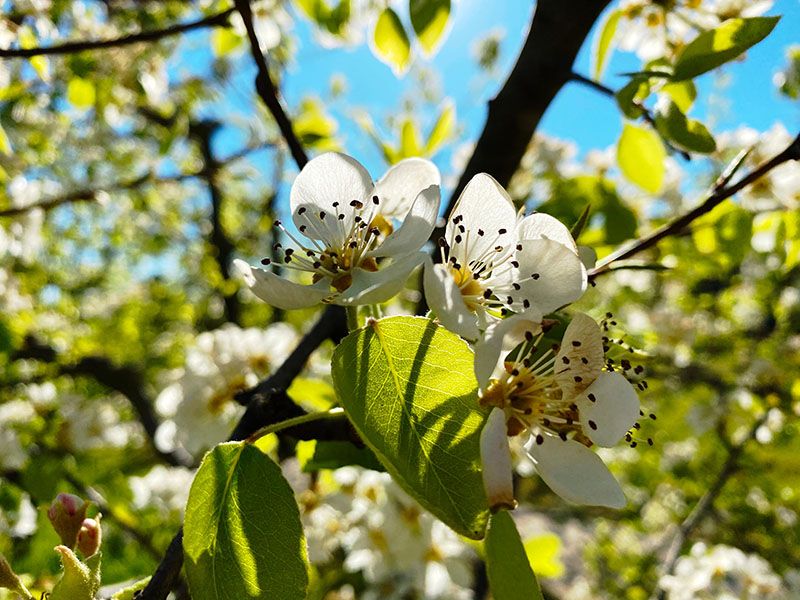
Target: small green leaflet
686,133
604,44
641,155
408,387
390,42
242,533
713,48
429,20
507,564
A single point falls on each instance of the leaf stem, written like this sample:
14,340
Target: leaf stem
334,413
352,318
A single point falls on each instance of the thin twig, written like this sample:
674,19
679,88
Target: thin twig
134,38
646,114
719,193
706,502
267,90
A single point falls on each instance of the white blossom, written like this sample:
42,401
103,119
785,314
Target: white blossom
353,251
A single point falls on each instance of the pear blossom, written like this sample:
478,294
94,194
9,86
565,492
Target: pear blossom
567,399
362,239
494,262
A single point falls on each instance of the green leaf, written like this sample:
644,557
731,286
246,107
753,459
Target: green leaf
224,40
543,551
242,533
682,93
314,127
5,143
604,44
686,133
391,43
631,95
80,93
576,230
443,129
332,455
507,564
407,385
713,48
429,20
641,154
410,144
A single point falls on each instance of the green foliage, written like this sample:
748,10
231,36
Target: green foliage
641,155
332,455
543,554
684,132
408,388
390,41
242,533
604,43
713,48
332,19
507,564
429,20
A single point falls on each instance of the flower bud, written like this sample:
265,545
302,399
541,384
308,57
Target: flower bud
90,536
496,458
67,513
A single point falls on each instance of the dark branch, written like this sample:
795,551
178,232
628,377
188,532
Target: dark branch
223,248
719,193
125,379
646,115
266,88
544,66
135,38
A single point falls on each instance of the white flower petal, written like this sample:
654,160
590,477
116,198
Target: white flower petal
416,228
541,225
613,412
280,292
499,339
483,205
496,462
574,472
582,346
551,274
444,298
327,179
402,183
370,287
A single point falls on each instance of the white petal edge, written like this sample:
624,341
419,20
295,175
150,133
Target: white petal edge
498,340
328,178
584,331
373,287
445,300
613,412
402,183
498,481
416,227
484,204
280,292
561,274
574,472
541,225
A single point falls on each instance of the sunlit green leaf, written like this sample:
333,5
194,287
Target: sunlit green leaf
410,143
390,42
5,143
242,532
443,129
686,133
713,48
408,387
603,44
682,93
543,553
631,95
80,93
332,455
224,40
507,564
429,20
641,155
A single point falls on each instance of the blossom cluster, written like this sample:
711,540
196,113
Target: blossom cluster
500,273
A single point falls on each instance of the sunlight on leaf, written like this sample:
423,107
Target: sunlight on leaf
429,20
390,42
641,156
604,43
507,564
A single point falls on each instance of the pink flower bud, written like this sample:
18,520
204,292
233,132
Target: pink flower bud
67,513
90,536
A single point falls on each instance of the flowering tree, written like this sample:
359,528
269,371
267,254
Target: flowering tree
237,364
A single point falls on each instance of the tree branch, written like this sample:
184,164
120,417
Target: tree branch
544,66
125,379
135,38
266,89
720,192
646,114
92,194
